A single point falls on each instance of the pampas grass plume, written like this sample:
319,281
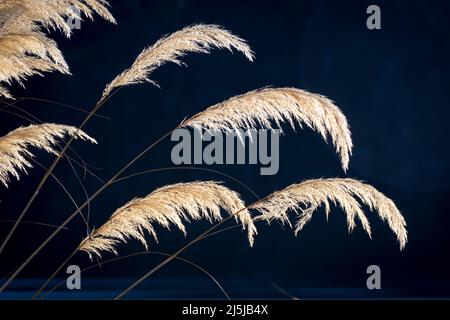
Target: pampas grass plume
14,146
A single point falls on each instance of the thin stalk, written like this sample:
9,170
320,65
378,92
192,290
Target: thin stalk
174,255
43,224
65,105
145,172
64,189
189,168
144,253
170,258
74,252
284,292
74,214
49,171
34,120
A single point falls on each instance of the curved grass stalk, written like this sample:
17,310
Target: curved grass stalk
62,104
64,189
75,213
45,177
173,256
37,223
144,253
81,164
284,292
189,168
69,160
35,120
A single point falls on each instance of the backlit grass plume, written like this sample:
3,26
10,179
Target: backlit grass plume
18,16
24,49
170,205
197,38
14,146
26,54
273,106
307,196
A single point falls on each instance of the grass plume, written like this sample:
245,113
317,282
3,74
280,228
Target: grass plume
32,15
24,48
26,54
14,146
273,106
200,38
307,196
170,205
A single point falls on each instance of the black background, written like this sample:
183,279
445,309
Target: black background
392,84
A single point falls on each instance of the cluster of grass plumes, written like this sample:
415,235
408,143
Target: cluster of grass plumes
176,204
197,38
14,146
170,205
25,50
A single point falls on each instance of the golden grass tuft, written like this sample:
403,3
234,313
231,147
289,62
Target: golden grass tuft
24,49
307,196
14,146
18,16
170,205
27,54
200,38
269,106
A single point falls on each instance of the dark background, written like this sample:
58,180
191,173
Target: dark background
392,84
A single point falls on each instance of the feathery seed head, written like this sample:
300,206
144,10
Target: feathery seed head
170,205
200,38
266,106
24,49
307,196
14,146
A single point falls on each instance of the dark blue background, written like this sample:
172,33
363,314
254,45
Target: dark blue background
392,84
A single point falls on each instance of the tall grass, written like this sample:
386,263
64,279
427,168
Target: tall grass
27,50
210,36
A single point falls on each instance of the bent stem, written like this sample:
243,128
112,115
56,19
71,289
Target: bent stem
34,120
189,168
171,257
174,255
65,105
50,170
37,223
143,253
74,214
55,273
